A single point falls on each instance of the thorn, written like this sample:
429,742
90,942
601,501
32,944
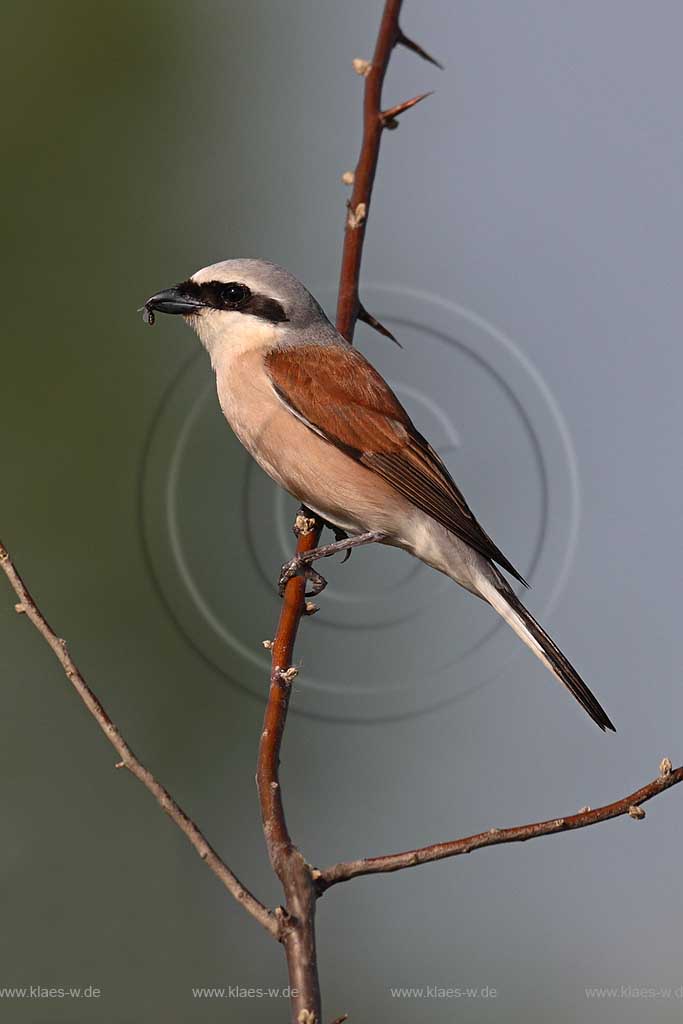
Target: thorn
20,608
372,321
636,812
665,768
340,1020
348,178
119,764
388,117
310,608
584,810
268,644
361,67
357,217
403,40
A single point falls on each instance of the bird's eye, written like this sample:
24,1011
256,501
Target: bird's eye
234,294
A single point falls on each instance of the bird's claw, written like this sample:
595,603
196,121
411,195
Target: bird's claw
298,566
340,534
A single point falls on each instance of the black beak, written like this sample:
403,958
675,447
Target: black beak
171,300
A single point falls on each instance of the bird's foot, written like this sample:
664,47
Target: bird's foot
299,566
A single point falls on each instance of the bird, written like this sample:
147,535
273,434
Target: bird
325,425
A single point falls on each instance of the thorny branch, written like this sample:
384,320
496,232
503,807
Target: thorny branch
296,876
374,123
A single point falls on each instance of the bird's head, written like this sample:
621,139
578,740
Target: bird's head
244,302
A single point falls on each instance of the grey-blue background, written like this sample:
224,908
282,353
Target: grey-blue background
539,190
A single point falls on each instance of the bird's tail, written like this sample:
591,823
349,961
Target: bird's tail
508,605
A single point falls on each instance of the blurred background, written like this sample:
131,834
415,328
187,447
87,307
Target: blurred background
525,244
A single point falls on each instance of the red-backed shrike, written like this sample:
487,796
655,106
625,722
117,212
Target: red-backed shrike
325,425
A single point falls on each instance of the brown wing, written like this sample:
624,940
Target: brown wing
340,396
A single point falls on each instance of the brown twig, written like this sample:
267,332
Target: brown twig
296,876
28,607
389,36
629,805
297,920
